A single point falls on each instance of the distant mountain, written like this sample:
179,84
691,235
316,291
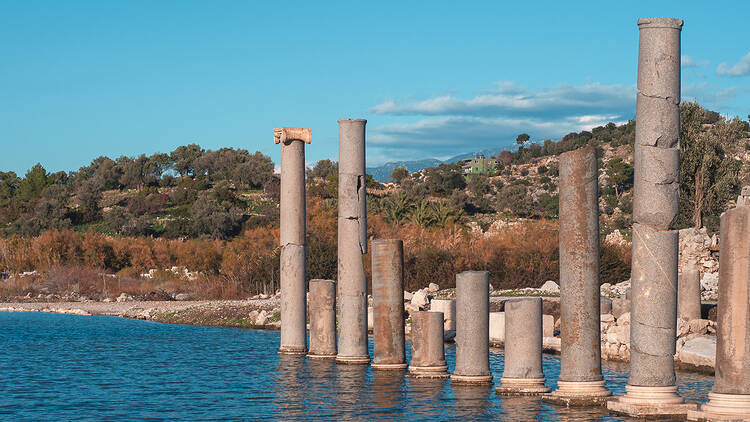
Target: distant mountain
382,173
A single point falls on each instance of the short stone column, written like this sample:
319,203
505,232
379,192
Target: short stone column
448,308
427,346
352,243
388,304
522,373
322,319
292,239
730,397
689,294
472,328
651,389
580,381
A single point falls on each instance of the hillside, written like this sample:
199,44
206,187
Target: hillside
382,173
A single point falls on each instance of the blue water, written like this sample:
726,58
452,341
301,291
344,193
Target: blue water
67,367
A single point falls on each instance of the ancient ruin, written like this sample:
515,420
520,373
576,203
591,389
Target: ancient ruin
472,328
322,319
651,388
730,397
388,302
352,243
292,238
580,381
427,346
522,373
689,294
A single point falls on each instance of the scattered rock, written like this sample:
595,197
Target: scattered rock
607,318
420,299
432,288
699,351
262,318
408,295
124,297
550,286
184,296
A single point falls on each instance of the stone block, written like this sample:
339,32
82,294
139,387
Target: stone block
548,326
699,351
620,306
497,327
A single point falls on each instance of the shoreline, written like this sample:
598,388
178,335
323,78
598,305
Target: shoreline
249,314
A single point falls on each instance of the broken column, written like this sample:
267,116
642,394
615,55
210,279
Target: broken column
427,346
322,319
388,304
522,373
730,397
580,381
448,308
292,239
689,294
352,243
651,388
472,328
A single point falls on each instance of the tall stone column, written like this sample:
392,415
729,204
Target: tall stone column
388,304
427,346
322,319
292,223
472,328
581,381
651,388
522,373
689,294
352,243
730,397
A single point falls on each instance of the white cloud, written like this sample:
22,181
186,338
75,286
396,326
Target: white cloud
512,100
689,61
493,118
741,68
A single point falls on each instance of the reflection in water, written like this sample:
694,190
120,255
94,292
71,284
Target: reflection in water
471,401
68,367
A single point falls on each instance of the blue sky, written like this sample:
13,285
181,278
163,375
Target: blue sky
80,79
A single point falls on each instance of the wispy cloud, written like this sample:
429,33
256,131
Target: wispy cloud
741,68
689,61
515,101
492,119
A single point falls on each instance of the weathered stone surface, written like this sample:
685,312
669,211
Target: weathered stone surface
659,124
428,349
352,243
653,316
523,339
550,286
733,335
448,308
322,318
605,305
497,327
293,300
419,299
659,58
689,294
432,288
699,351
472,327
548,326
580,359
387,290
620,306
656,196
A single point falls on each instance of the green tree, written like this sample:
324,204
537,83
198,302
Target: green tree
33,184
399,174
619,175
522,139
709,176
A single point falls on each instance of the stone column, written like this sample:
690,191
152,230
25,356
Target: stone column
448,308
292,223
322,319
522,373
352,243
388,304
472,328
689,294
730,397
581,380
651,388
427,346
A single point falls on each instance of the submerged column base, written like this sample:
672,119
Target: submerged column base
471,379
388,366
353,360
723,407
428,371
522,387
292,350
651,402
321,356
579,394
